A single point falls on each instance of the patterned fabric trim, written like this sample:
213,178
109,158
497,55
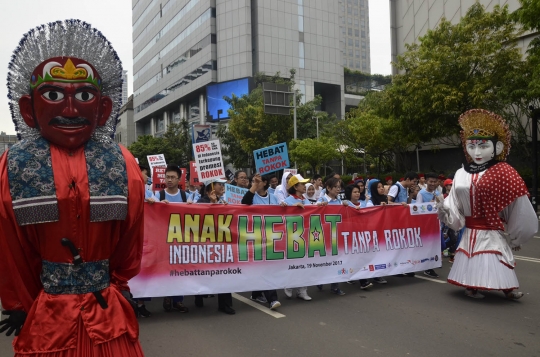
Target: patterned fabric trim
107,178
66,278
31,182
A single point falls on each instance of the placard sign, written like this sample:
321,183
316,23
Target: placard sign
158,179
234,194
271,158
208,160
193,174
156,161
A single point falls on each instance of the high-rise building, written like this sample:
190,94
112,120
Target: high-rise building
181,47
124,87
354,34
6,141
410,20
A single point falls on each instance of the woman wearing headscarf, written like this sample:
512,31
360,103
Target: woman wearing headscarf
378,198
311,194
281,191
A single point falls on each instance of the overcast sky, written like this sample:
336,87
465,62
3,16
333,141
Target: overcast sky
113,19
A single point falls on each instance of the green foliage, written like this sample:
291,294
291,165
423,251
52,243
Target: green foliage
473,64
361,83
231,150
312,153
175,145
250,128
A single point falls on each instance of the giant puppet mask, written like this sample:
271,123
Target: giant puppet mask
66,104
65,85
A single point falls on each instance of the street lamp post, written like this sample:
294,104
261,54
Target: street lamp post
534,133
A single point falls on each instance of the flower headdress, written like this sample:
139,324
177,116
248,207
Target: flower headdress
481,124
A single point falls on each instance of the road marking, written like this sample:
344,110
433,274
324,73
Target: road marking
536,237
527,259
433,280
258,306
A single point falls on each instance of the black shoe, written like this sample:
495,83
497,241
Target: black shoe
167,304
410,275
319,287
365,285
227,309
431,273
142,312
199,302
180,307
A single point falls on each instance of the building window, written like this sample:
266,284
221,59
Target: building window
301,63
357,64
363,34
356,43
357,53
350,42
349,31
160,125
356,32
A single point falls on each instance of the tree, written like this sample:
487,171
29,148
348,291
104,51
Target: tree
231,150
250,128
175,145
454,68
313,153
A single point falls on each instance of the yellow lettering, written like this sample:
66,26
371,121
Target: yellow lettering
191,226
208,232
224,228
175,229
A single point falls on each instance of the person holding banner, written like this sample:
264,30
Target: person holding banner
258,195
213,190
172,194
296,190
481,200
331,197
353,196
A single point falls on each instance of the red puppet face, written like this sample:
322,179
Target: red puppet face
66,104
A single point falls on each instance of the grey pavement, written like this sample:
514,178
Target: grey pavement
406,317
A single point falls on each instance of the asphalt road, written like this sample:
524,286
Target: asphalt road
406,317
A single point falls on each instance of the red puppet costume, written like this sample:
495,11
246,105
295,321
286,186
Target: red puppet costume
71,200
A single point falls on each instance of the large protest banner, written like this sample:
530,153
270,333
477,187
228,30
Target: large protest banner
208,249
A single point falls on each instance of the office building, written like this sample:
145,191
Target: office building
125,127
181,47
6,141
124,87
410,20
354,34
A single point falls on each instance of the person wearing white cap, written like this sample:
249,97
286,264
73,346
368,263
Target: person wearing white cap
297,187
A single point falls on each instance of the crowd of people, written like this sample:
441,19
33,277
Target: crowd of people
295,190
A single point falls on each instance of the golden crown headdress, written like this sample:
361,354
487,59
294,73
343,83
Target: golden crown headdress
484,125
